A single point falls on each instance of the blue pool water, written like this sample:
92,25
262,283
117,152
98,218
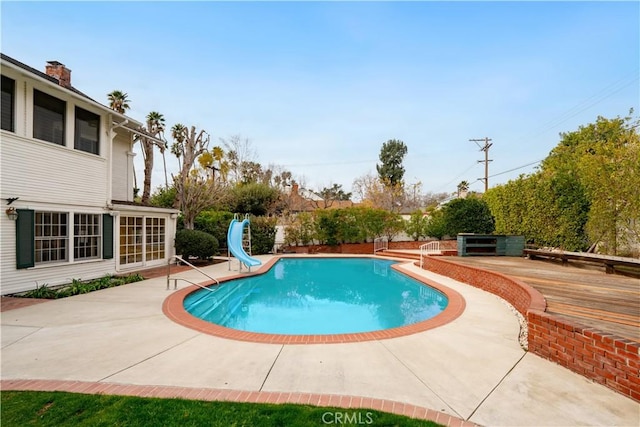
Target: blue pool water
319,296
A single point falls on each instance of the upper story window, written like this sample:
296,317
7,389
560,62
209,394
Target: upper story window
48,117
87,132
8,103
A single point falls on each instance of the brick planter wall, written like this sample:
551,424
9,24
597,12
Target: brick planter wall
364,248
604,358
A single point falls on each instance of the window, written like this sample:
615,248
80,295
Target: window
42,237
8,107
51,237
87,132
155,238
48,117
86,236
130,240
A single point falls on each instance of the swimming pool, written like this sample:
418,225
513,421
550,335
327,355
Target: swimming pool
319,296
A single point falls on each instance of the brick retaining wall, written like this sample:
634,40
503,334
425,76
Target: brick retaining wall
604,358
364,248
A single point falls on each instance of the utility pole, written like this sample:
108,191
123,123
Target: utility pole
486,160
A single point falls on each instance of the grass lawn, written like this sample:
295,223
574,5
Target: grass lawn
33,408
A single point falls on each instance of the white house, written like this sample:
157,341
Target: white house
66,186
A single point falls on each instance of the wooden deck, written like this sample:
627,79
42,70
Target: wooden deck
610,303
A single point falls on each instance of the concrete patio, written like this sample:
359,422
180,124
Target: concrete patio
472,368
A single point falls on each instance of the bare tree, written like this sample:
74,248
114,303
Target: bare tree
198,193
188,145
239,152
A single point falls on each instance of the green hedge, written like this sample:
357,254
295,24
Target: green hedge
263,234
348,225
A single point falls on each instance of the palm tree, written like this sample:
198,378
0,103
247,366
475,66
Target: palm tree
463,187
155,128
118,101
178,134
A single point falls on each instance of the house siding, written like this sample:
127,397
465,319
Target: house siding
122,169
37,170
59,178
14,280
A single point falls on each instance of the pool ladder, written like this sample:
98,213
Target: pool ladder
175,279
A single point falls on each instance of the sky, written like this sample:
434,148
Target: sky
318,87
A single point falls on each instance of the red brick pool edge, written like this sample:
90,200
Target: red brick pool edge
173,308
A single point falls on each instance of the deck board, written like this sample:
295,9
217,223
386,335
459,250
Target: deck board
588,296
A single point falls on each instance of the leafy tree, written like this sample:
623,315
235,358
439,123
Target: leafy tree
352,224
584,193
299,230
436,226
470,215
163,197
256,199
118,101
391,171
604,158
327,226
416,226
332,194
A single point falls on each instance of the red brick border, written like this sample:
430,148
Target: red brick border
607,359
173,308
212,394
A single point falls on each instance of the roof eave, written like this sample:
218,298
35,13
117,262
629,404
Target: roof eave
31,74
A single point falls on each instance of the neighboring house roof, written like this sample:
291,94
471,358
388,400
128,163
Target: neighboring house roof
303,200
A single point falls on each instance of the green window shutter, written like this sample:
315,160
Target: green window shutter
107,236
25,238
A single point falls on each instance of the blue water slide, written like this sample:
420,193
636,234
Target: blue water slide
234,243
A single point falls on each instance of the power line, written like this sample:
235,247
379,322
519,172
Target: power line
515,169
458,176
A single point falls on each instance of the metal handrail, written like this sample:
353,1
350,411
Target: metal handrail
429,248
380,244
175,280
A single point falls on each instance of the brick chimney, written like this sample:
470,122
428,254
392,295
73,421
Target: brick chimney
60,72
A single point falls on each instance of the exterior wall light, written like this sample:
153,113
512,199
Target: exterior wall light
12,214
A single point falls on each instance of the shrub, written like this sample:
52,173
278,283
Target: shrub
43,291
470,215
215,223
327,224
263,234
196,243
